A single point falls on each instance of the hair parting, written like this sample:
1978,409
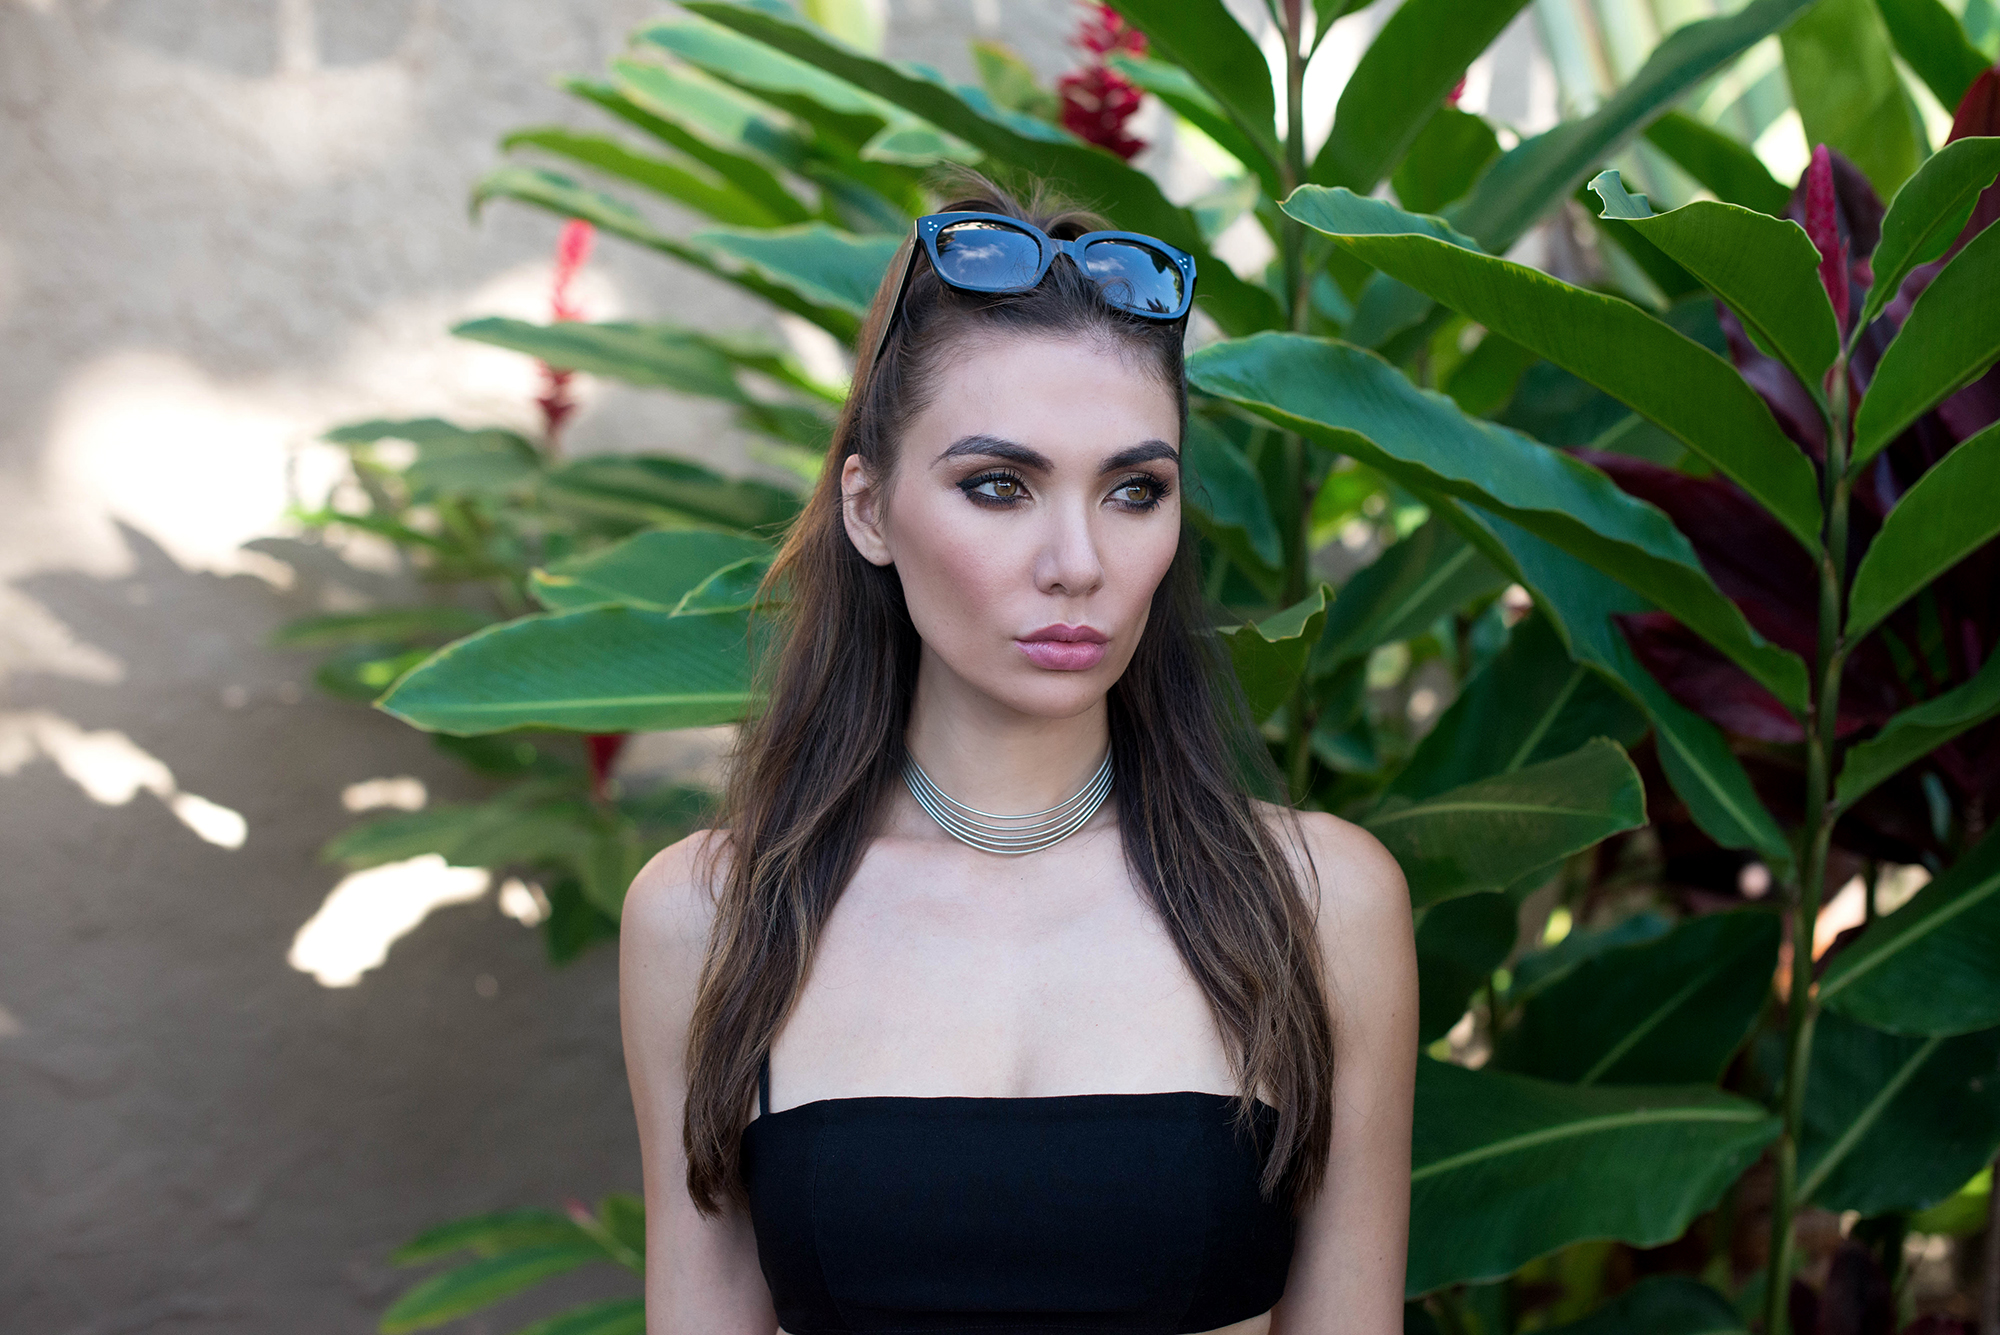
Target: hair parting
817,768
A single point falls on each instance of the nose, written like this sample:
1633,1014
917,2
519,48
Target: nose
1068,563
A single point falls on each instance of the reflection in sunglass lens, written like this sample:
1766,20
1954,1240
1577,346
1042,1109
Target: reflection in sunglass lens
989,256
1137,277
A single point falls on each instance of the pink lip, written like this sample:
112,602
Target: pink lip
1062,648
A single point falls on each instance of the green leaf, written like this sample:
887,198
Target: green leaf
1765,268
720,200
1225,498
490,1235
1012,82
364,672
1665,1012
615,1316
1895,1124
1961,1214
823,266
760,68
733,588
1843,77
1697,760
1175,87
661,356
624,1218
659,490
1730,170
652,570
1539,970
1927,214
719,115
1015,141
1531,703
1531,178
604,669
451,1295
1459,944
1270,655
1951,337
1359,405
1943,518
1488,834
1668,378
1401,82
387,625
1203,38
1485,382
1445,160
1402,593
451,459
514,828
1661,1305
560,195
1929,39
1507,1168
1918,731
610,860
1933,966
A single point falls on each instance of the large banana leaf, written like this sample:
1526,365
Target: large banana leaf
1765,268
826,267
451,459
1203,38
1359,405
656,356
653,570
1531,703
1895,1123
1698,762
1488,834
1933,966
1728,167
1015,141
1669,1011
1175,87
1951,336
1919,730
653,489
1668,378
1445,160
1402,593
613,1316
525,827
1948,513
717,198
1270,655
1842,72
1506,1168
1546,966
603,669
470,1287
1401,82
1459,944
1929,39
1532,178
1225,499
1927,213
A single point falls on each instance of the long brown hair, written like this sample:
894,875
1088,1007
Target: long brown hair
816,770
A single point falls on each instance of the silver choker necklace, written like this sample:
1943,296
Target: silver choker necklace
1009,836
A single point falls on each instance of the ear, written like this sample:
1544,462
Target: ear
861,512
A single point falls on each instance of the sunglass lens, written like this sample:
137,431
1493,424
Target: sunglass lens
988,257
1136,277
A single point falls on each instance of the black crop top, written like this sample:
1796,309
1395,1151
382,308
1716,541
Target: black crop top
1013,1216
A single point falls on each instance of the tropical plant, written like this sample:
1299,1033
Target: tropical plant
1708,500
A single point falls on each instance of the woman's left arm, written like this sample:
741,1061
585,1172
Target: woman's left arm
1347,1267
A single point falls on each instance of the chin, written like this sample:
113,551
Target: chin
1054,695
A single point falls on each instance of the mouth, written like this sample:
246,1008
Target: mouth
1062,648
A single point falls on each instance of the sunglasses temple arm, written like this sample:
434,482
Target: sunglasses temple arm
895,305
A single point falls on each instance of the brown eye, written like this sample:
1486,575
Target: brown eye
1001,488
1135,492
1005,488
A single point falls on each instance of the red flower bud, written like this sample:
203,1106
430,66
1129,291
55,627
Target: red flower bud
1822,225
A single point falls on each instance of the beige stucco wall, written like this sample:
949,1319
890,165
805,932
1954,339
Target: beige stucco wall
226,225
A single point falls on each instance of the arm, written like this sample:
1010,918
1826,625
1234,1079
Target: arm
702,1276
1347,1267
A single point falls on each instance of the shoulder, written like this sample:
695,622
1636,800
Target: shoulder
1360,900
671,905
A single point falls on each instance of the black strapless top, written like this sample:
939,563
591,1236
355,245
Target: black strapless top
1083,1212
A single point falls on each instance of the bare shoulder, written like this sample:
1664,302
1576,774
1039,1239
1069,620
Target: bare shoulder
1342,868
672,900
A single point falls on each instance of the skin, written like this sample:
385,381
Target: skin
1021,500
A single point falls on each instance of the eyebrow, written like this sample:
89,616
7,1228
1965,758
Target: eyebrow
993,447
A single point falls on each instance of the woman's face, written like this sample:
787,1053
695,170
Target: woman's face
1033,509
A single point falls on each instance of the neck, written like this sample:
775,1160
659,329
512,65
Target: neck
995,758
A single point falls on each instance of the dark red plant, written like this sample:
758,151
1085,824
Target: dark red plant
1932,644
572,251
1097,101
604,748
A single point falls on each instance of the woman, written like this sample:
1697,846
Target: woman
904,1065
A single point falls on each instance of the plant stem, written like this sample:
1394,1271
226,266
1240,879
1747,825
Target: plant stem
1815,839
1298,718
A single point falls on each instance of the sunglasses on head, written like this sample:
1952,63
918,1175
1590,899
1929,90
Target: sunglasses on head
992,253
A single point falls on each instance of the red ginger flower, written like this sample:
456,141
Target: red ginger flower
572,251
1097,100
1823,226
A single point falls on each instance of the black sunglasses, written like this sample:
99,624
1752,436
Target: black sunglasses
990,252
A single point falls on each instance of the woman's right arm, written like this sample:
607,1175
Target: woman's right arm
702,1276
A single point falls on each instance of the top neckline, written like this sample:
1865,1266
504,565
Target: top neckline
975,1102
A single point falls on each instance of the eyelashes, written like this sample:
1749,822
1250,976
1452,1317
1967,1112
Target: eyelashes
1001,489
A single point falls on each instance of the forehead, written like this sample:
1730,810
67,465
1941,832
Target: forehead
1055,394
